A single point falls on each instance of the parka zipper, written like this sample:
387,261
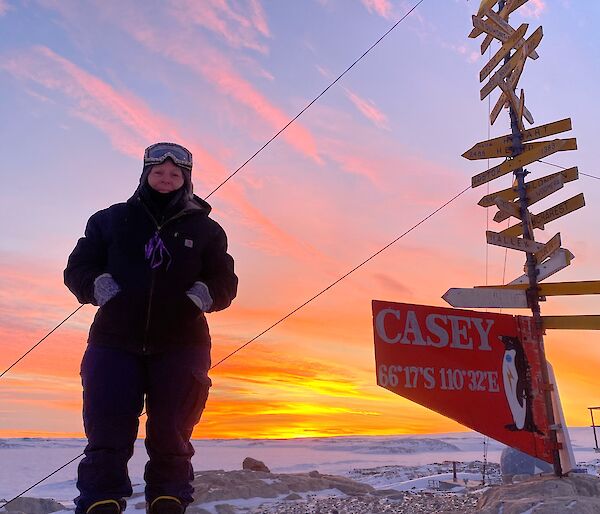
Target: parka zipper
158,229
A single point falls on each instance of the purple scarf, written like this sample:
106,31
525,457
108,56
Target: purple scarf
156,252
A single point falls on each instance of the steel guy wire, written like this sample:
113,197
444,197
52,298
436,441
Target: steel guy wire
314,297
565,168
267,143
39,342
42,480
317,97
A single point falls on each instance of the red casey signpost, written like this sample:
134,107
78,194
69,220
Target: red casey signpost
478,368
489,371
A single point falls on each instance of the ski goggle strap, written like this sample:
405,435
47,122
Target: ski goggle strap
157,153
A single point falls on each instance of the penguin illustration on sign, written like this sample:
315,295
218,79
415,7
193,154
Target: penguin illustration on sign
517,385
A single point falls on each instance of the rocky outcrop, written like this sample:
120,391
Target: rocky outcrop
214,486
25,505
255,465
544,495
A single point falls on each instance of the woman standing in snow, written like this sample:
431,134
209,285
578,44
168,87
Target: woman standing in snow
154,265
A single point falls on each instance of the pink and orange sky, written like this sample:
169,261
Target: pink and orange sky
86,86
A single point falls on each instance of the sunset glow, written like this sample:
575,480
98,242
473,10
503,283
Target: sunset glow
85,87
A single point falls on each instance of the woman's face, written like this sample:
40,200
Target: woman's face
165,177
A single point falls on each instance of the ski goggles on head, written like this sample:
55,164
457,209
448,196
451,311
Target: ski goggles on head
157,153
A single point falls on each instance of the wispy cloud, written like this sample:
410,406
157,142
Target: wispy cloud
383,8
215,68
241,25
119,114
533,8
368,109
4,7
190,48
130,124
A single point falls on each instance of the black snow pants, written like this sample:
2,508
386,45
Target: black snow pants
175,387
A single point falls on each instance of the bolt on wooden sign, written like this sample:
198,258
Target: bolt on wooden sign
462,364
522,148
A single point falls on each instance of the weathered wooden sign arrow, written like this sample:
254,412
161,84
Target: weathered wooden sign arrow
520,56
501,23
514,243
499,151
512,42
549,148
560,260
536,194
551,214
500,143
509,7
490,28
485,297
503,99
584,287
511,193
550,247
504,15
577,322
508,209
533,196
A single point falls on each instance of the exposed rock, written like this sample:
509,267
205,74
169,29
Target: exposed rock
215,486
33,506
255,465
293,496
548,494
225,508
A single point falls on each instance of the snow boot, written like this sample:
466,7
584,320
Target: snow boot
166,505
105,507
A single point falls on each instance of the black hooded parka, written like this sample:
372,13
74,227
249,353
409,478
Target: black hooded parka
152,312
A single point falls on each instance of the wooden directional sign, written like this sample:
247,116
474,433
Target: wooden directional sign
503,24
485,4
499,151
561,209
488,297
509,7
560,260
521,160
584,287
534,196
521,109
500,143
549,248
515,243
511,83
517,104
503,27
507,209
531,44
511,193
551,214
581,322
490,28
509,44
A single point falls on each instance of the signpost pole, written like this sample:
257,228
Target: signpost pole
533,290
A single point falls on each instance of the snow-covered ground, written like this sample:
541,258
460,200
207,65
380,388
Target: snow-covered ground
400,462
